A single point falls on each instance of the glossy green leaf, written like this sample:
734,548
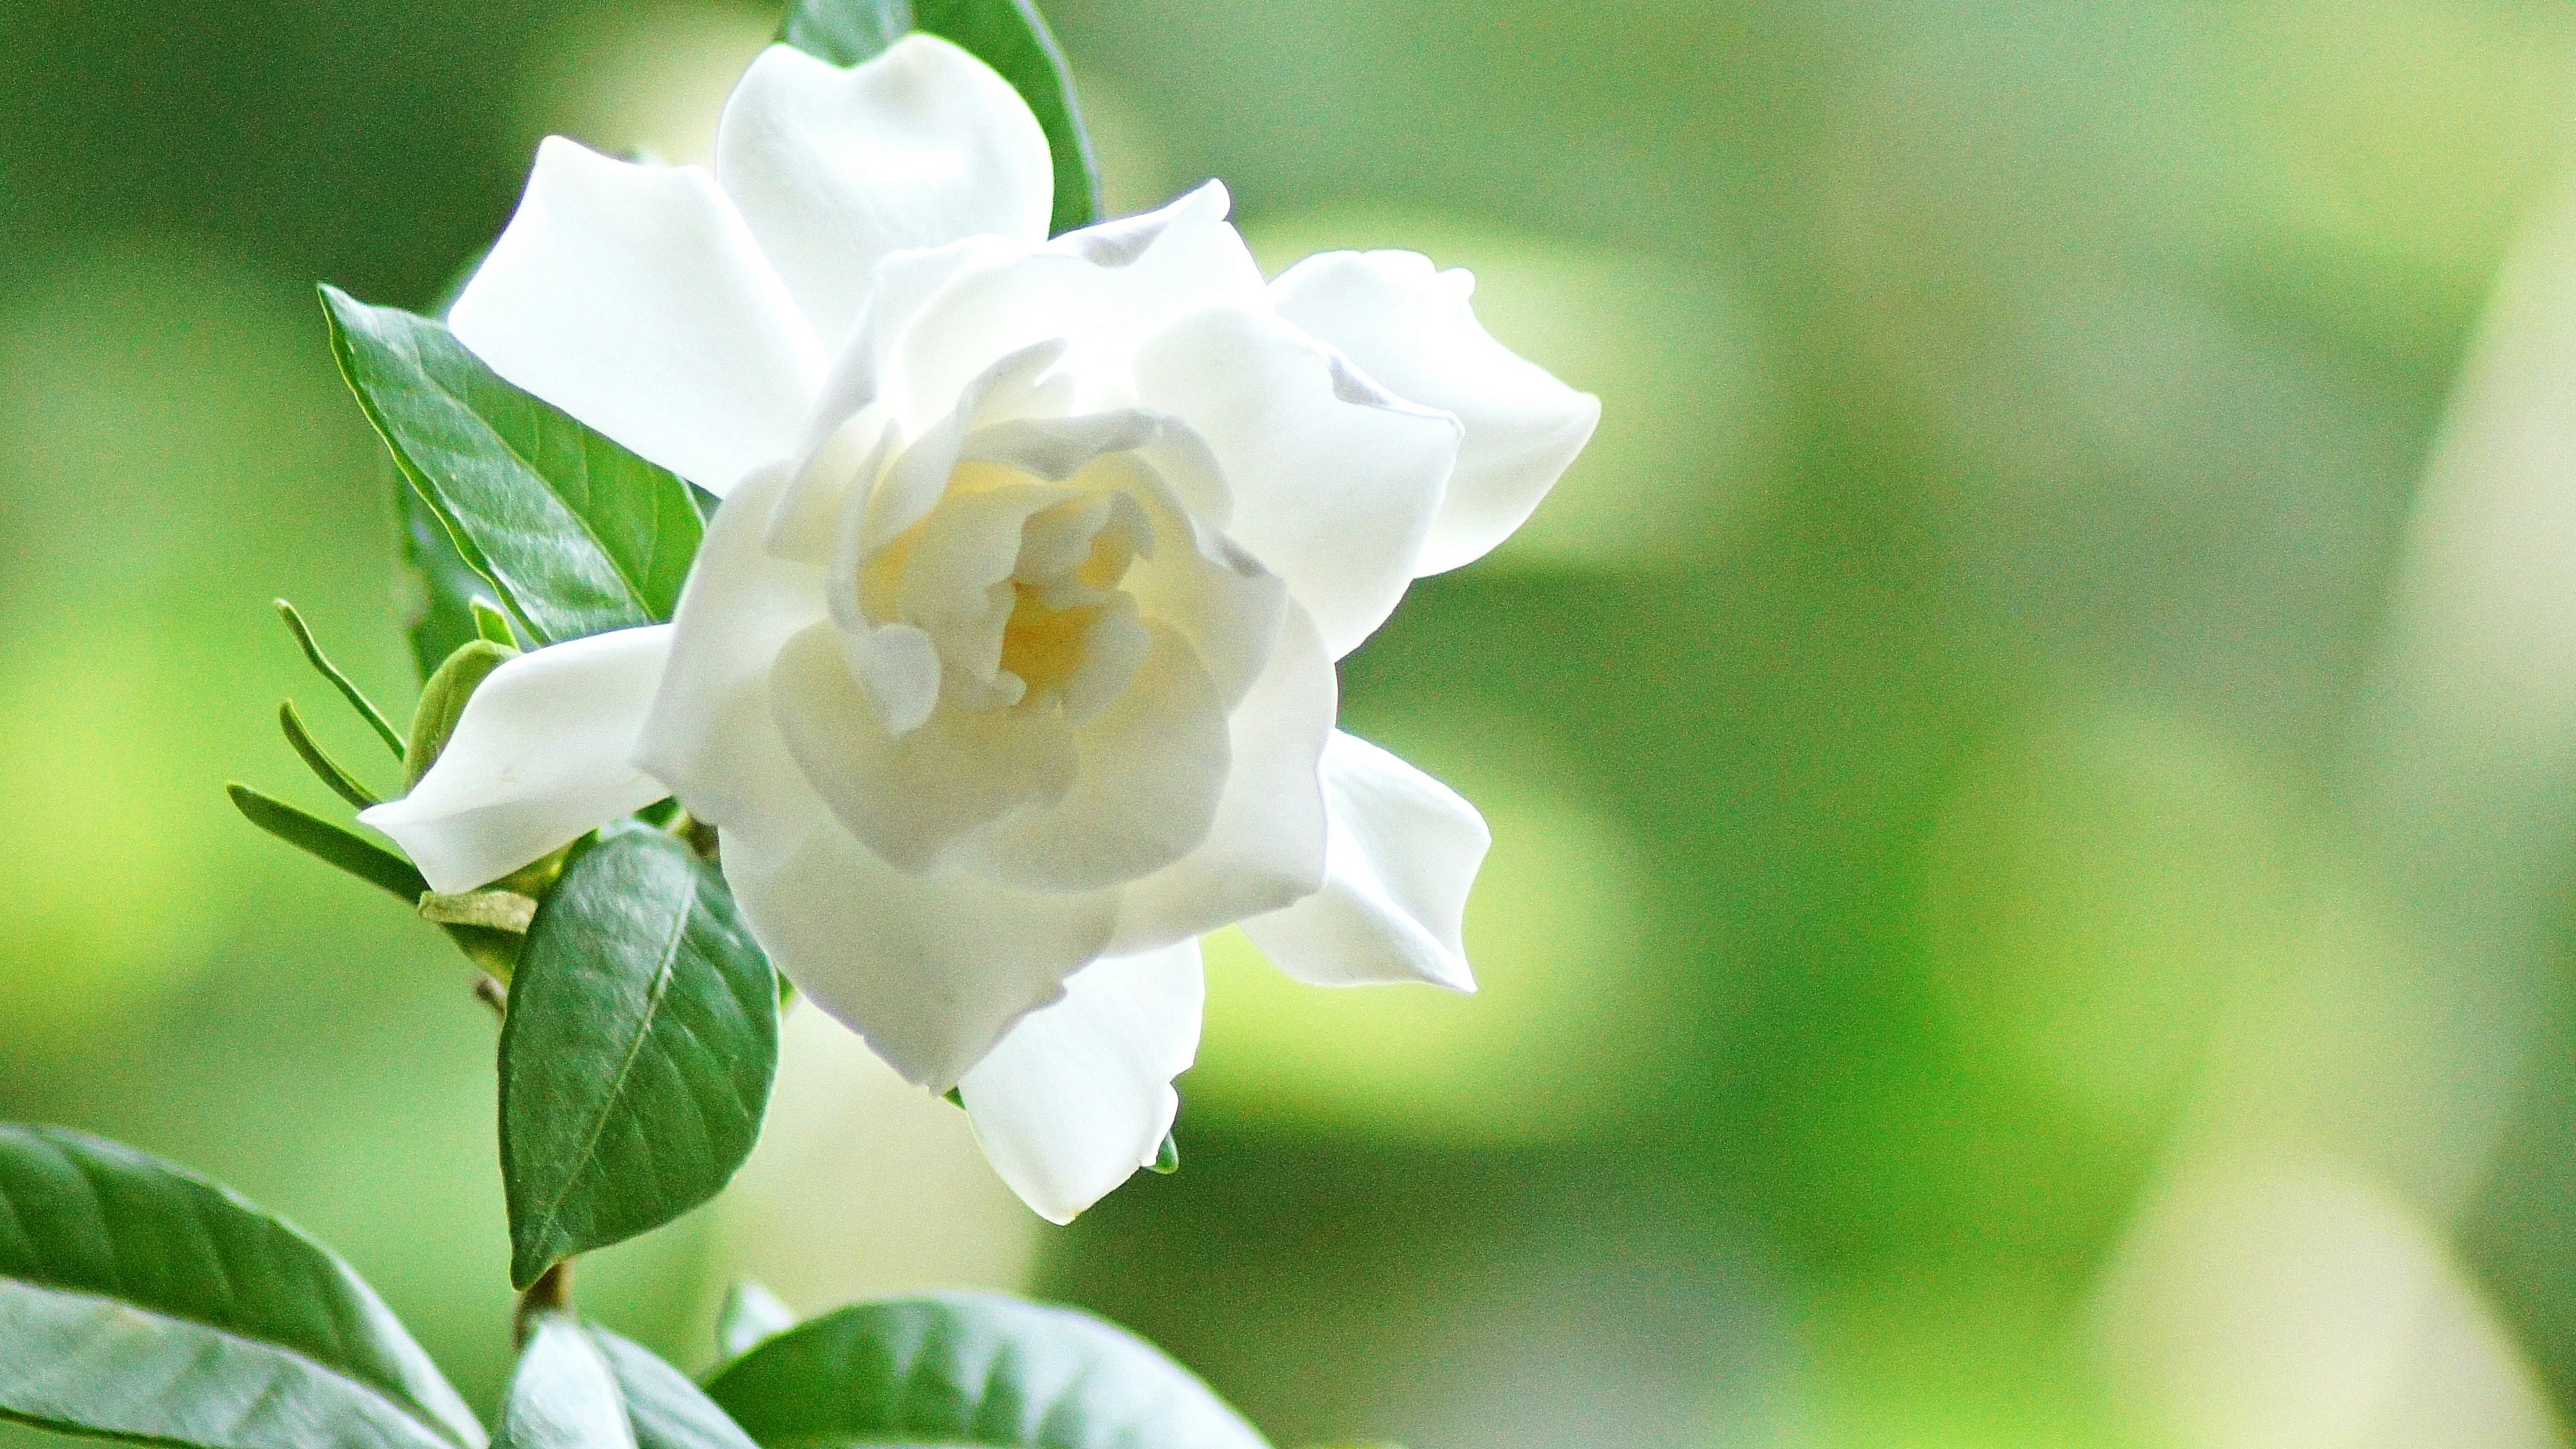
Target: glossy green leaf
750,1314
349,691
442,702
1007,35
972,1369
140,1301
343,784
562,1395
331,844
578,535
667,1410
638,1051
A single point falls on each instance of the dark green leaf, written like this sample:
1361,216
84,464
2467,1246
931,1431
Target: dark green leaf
668,1411
562,1395
342,783
349,691
972,1369
579,535
637,1055
1007,35
331,844
750,1313
140,1301
1167,1158
442,702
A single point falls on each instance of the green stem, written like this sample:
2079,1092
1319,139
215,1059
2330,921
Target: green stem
551,1293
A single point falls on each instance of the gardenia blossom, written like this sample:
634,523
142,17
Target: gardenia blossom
1006,668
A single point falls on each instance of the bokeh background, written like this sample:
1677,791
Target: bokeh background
2033,763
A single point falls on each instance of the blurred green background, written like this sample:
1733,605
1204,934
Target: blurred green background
2033,763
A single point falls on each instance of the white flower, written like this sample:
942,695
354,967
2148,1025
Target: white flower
1006,669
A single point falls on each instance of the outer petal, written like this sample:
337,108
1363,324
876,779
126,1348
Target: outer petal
708,735
834,169
1335,482
634,298
1103,289
538,757
1410,327
1266,846
1400,854
932,969
1079,1095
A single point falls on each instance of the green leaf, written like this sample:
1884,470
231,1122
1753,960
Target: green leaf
331,844
342,783
845,32
750,1314
579,535
668,1411
140,1301
1167,1158
637,1054
1007,35
442,618
349,691
442,702
562,1395
972,1369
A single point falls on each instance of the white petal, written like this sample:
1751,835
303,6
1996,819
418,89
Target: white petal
709,735
539,757
932,969
1151,769
834,169
1102,290
634,298
1079,1094
1409,327
1334,482
1265,849
1400,854
911,797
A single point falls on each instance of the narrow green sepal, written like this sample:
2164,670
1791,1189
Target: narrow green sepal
331,844
492,624
492,910
342,783
1167,1158
442,702
349,691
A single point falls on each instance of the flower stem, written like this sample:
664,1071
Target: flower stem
551,1293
